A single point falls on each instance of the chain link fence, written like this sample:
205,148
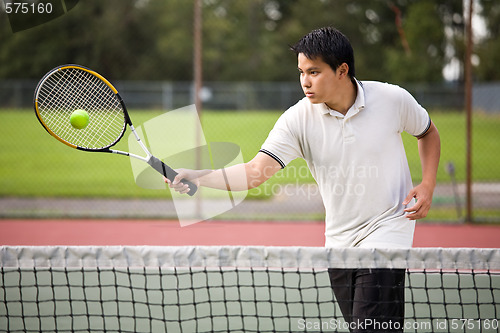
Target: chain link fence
291,196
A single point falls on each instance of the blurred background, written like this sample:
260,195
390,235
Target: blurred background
248,76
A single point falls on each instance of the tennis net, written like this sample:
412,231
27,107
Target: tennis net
234,289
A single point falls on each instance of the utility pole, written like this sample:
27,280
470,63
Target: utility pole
468,111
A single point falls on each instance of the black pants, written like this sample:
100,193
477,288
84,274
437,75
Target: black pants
371,300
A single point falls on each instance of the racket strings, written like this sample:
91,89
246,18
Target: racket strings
72,101
108,120
102,102
61,98
69,89
55,103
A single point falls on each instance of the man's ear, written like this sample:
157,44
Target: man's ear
343,69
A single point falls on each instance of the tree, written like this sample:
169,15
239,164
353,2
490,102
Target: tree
488,49
423,59
398,41
107,36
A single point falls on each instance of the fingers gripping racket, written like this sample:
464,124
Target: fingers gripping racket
72,87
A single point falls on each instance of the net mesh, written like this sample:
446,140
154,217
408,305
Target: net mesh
234,289
68,89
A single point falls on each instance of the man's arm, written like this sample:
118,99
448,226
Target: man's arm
238,177
429,150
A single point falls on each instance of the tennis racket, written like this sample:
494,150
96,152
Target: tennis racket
68,88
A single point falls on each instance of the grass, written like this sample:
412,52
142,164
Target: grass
32,163
485,146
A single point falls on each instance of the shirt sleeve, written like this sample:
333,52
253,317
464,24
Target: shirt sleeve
415,120
282,143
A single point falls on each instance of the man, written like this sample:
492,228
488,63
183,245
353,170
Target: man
349,133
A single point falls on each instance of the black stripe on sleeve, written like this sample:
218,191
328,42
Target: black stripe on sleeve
273,156
426,129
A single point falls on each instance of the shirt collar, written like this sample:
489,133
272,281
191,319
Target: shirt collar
359,103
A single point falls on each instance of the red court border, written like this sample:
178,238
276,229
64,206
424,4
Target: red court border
163,233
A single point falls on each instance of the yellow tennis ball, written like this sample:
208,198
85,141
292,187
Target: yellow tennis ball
79,119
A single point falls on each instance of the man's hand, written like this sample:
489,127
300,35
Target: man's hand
423,194
177,185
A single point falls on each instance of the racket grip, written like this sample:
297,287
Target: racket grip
170,173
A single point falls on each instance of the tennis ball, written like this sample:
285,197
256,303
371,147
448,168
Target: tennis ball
79,119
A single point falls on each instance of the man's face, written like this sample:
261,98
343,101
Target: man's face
318,80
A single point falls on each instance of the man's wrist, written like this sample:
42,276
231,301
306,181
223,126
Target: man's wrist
429,183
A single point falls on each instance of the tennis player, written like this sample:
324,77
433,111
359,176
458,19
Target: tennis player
349,133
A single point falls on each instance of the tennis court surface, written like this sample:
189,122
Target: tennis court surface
230,276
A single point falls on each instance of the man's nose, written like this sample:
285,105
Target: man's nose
306,83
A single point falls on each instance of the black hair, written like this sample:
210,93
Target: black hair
330,44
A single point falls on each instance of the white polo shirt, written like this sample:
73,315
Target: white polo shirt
358,161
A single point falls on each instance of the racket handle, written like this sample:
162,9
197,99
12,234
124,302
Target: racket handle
170,173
